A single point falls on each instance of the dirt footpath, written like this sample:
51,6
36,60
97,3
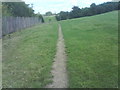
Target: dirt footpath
59,71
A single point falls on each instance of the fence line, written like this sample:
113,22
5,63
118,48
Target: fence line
13,24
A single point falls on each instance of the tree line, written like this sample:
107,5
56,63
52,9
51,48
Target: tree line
19,9
94,9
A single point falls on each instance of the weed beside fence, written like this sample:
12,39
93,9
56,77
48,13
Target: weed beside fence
13,24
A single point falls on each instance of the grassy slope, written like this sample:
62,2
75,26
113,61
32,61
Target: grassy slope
28,56
91,44
46,18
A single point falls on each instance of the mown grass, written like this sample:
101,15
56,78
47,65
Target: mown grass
28,56
92,49
49,19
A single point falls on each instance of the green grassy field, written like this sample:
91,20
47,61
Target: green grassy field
47,18
92,49
28,57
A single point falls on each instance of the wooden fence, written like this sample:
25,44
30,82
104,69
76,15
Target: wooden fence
13,24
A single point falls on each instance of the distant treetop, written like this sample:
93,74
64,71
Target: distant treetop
94,9
48,13
17,9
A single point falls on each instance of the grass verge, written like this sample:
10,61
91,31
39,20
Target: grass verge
28,56
92,49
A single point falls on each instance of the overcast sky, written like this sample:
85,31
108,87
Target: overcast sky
56,6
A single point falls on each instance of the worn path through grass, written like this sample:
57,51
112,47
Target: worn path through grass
59,71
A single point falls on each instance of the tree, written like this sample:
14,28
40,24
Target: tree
19,9
93,8
76,12
5,11
48,13
62,15
119,5
86,12
40,17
